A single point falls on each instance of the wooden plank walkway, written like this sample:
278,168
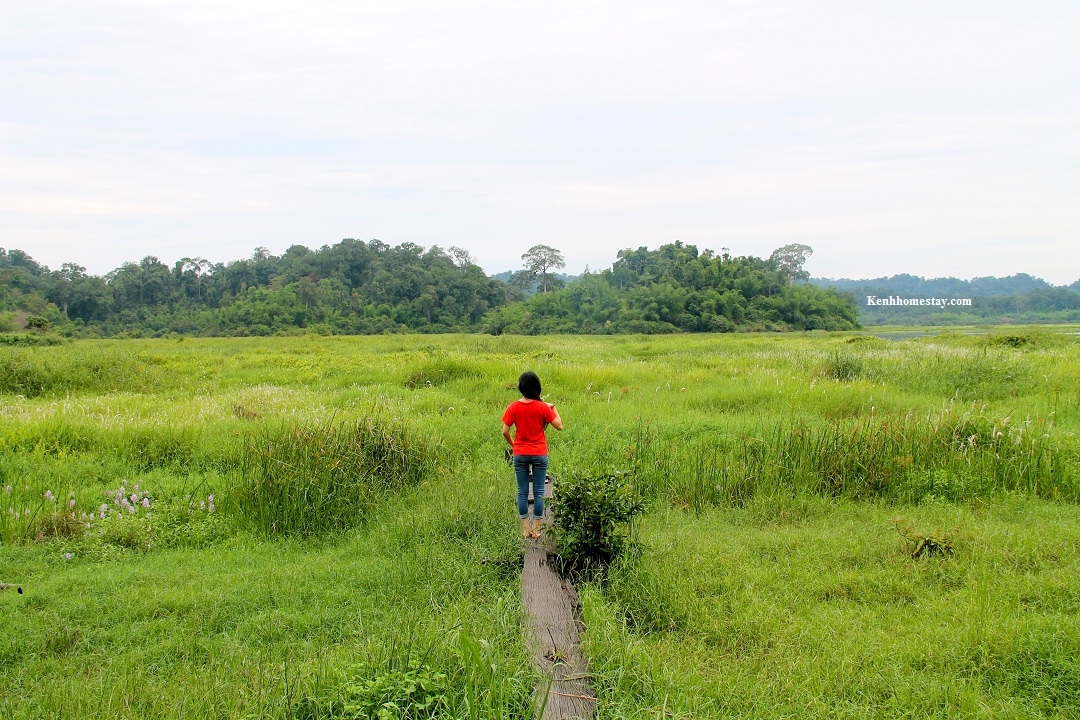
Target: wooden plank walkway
552,608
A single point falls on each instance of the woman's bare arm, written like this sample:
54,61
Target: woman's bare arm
557,422
506,434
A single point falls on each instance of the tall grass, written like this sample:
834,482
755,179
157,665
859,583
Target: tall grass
307,479
950,455
77,368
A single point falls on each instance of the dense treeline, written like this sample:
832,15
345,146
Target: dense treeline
357,287
676,288
352,287
1020,298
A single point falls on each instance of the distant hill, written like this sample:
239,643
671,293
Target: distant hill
948,286
562,279
1019,298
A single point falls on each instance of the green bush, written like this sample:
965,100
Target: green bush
593,512
35,339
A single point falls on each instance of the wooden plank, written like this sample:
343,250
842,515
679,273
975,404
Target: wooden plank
552,609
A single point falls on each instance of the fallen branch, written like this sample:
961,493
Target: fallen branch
569,695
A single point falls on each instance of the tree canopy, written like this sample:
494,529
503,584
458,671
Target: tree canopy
677,289
357,287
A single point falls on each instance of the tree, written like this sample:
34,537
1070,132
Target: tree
788,261
541,258
461,257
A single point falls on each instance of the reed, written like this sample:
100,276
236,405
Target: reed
951,455
308,479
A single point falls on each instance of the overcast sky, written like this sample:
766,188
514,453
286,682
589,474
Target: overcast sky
923,137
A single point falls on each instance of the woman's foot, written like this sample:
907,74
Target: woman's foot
534,531
526,531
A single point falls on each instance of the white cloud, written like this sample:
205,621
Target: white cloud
913,137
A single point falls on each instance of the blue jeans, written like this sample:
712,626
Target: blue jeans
539,464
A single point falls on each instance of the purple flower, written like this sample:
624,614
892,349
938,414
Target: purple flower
131,509
104,509
146,503
67,556
202,505
210,503
134,498
49,496
71,503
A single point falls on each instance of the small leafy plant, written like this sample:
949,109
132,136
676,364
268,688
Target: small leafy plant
415,691
593,512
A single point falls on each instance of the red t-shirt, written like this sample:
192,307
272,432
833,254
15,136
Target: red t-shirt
529,418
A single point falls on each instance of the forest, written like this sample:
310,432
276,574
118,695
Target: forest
1020,298
356,287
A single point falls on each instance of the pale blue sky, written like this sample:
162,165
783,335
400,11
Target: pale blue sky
923,137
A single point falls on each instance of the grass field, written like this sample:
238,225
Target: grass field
298,527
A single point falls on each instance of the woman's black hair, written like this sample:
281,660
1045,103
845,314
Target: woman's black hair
529,385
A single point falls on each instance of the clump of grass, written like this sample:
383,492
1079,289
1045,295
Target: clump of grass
935,542
310,479
843,366
244,412
438,371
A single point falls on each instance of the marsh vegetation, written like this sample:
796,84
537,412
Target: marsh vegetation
288,527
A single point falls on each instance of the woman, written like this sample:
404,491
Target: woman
531,415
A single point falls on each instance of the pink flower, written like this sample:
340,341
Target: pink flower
104,509
146,503
49,496
71,503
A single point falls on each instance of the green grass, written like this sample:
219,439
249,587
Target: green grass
814,608
363,529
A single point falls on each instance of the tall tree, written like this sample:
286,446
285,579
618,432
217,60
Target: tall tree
788,261
541,258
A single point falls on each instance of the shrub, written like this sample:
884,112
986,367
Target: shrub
38,323
38,339
593,512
